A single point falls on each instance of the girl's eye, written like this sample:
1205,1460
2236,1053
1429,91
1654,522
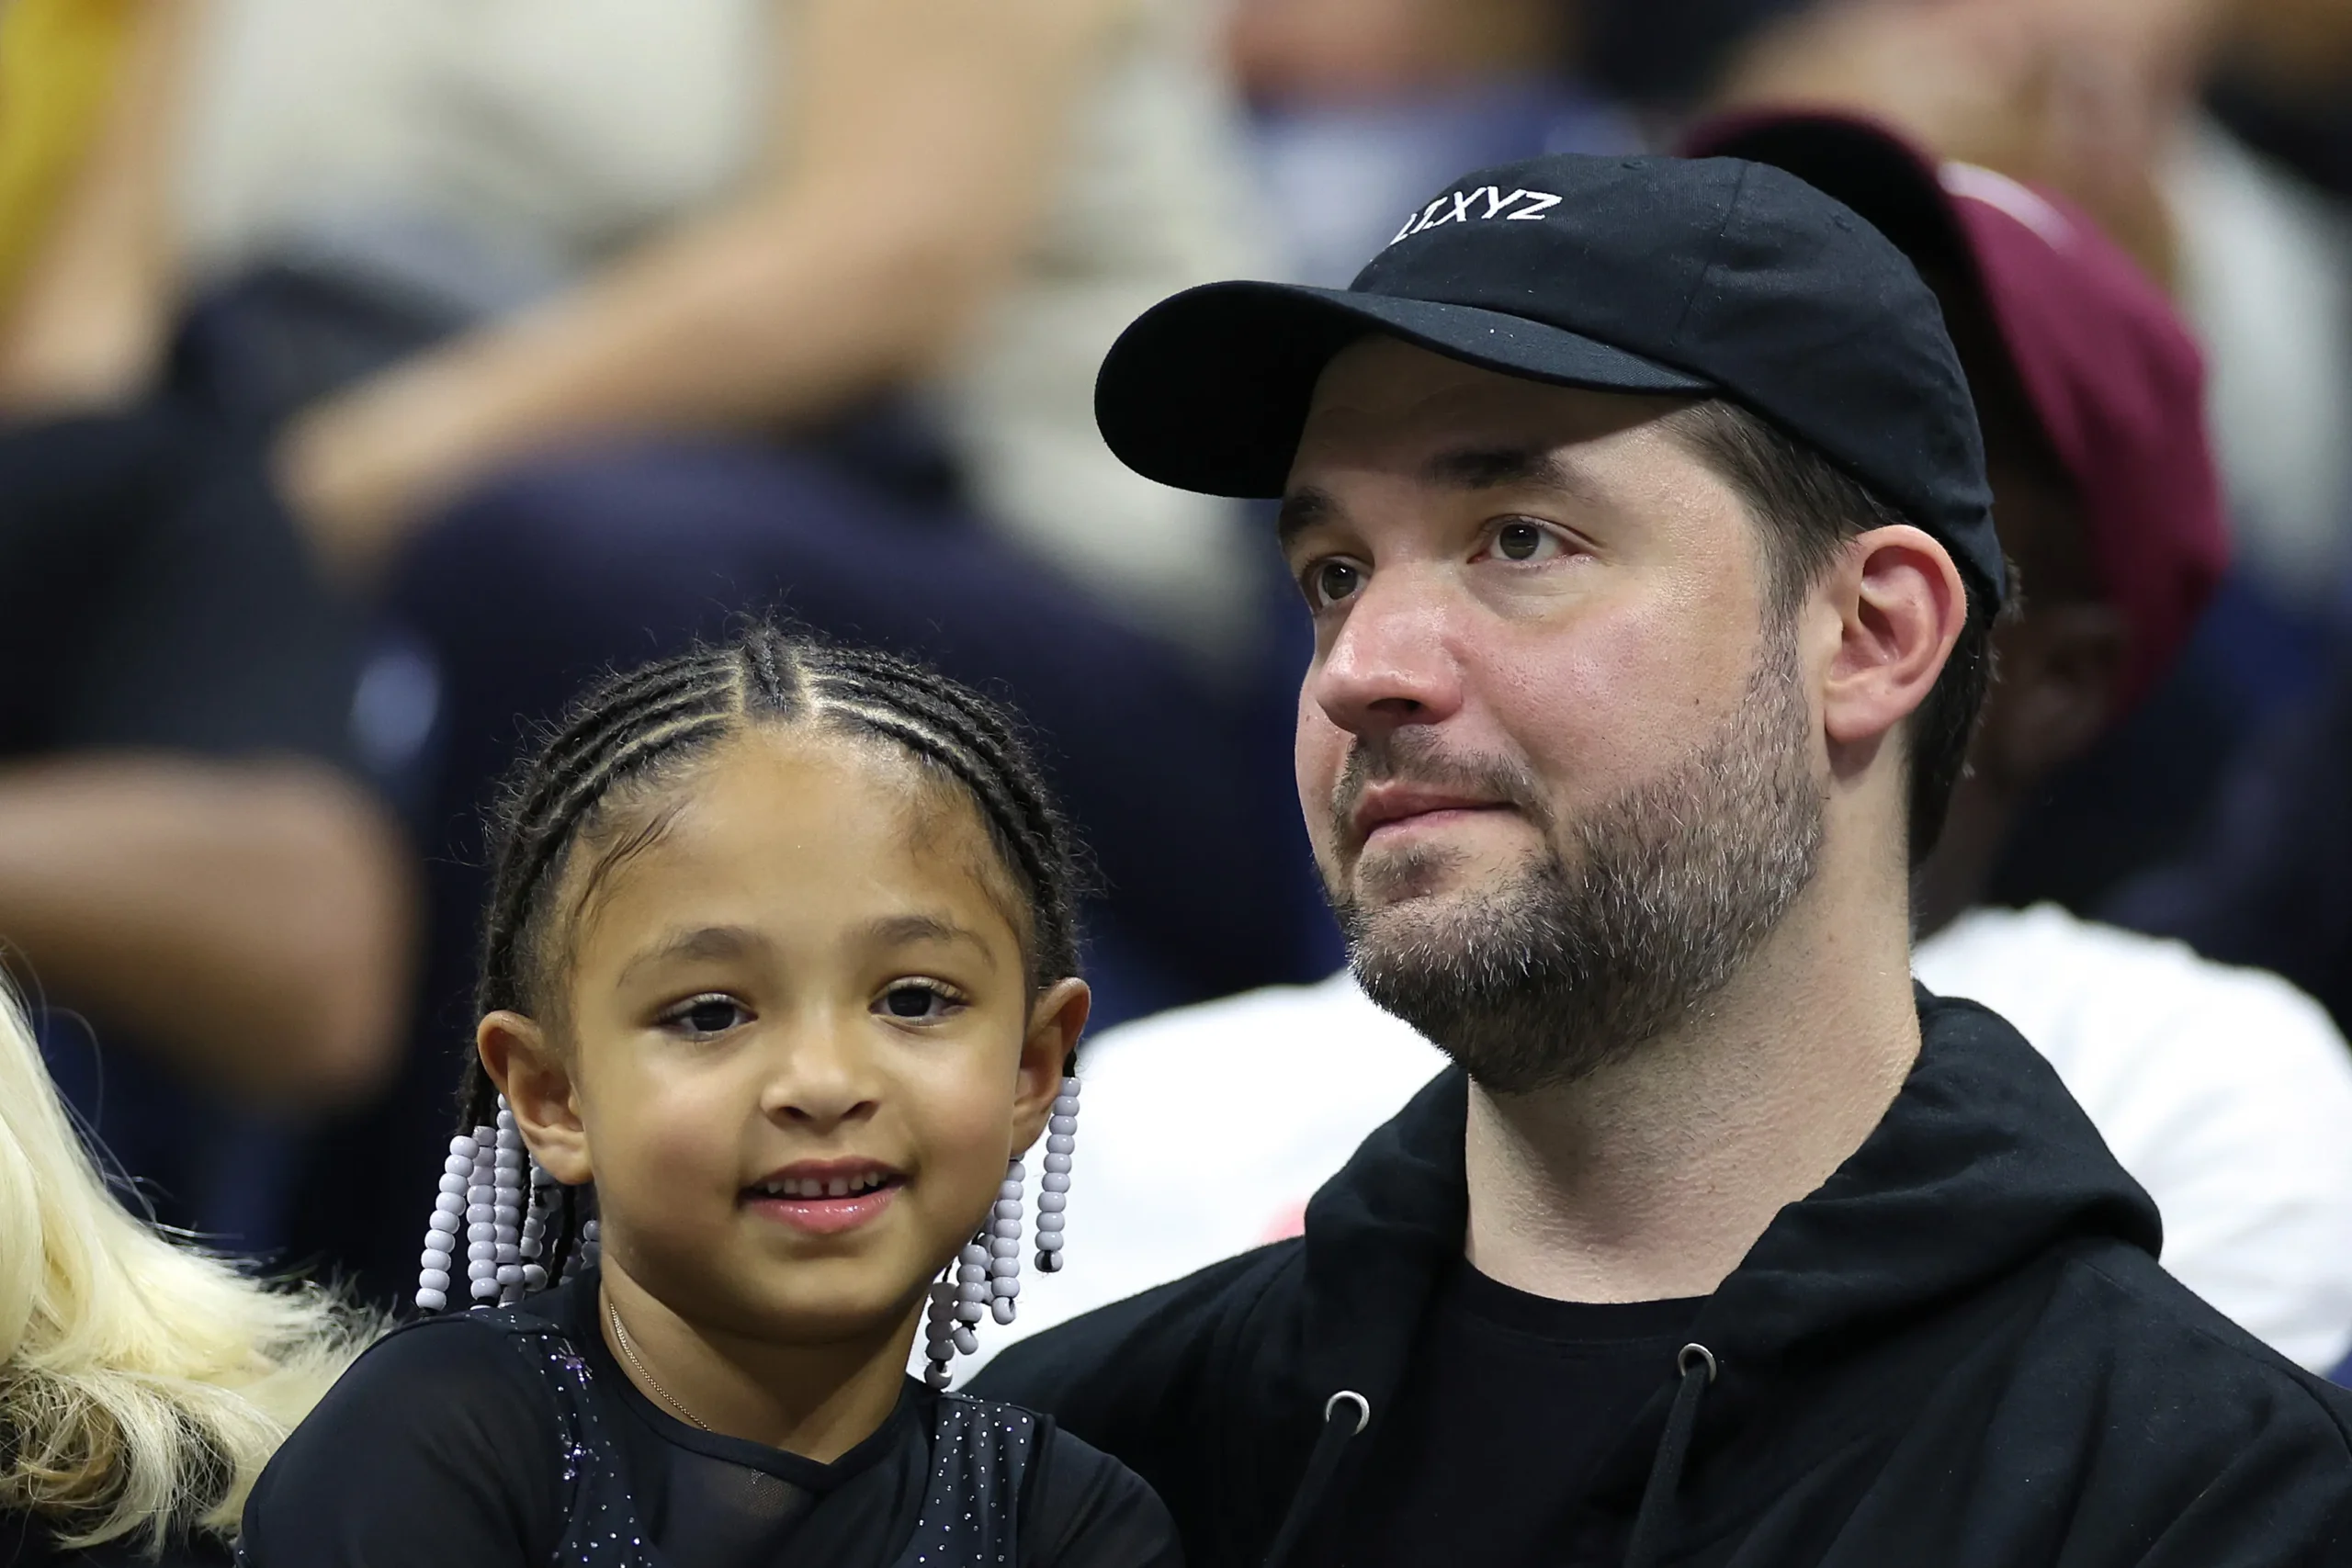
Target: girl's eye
706,1016
916,1001
1518,540
1328,582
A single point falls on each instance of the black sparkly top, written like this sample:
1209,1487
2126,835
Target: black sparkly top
512,1437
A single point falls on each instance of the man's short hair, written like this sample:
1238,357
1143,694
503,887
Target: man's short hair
1807,508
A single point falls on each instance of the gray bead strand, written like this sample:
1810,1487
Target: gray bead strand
437,1265
508,1178
532,1247
939,1332
1004,1245
1061,1139
482,1219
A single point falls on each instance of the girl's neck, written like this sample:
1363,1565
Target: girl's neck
819,1400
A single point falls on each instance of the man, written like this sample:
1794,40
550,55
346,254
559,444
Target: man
1640,508
2225,1092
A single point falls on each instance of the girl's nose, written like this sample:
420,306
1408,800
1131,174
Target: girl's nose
821,1079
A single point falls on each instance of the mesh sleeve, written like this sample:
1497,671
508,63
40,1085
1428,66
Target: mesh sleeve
437,1447
1087,1510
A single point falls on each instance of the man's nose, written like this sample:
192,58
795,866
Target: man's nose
1392,662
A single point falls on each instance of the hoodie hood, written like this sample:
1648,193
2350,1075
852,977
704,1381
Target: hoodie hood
1983,1162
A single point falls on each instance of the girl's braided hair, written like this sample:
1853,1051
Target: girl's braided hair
638,729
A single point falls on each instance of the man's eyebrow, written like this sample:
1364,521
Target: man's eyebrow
896,931
1302,509
1465,468
701,944
1491,467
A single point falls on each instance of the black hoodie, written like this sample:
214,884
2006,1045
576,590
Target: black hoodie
1959,1351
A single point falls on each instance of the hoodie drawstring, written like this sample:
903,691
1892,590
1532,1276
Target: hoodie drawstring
1697,1365
1338,1429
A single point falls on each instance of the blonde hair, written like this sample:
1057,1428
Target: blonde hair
143,1383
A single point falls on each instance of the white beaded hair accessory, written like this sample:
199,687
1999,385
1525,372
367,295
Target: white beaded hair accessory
1061,1138
496,1197
986,1275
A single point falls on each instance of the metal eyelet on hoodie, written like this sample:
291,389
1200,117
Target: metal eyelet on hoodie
1696,1364
1320,1466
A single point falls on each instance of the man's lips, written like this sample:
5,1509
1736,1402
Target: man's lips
1400,806
825,1197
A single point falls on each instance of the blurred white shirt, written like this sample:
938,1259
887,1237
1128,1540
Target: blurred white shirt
2226,1092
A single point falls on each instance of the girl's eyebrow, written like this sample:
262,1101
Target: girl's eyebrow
898,931
704,943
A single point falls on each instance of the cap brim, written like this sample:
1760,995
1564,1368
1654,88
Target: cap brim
1208,390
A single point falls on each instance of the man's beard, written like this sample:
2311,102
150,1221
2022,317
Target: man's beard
1575,961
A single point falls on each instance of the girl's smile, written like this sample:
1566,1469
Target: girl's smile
824,1197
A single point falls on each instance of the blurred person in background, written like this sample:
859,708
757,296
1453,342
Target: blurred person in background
143,1385
573,331
2270,880
1362,107
2225,1092
188,856
2100,100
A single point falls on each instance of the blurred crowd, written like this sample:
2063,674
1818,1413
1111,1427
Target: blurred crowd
373,375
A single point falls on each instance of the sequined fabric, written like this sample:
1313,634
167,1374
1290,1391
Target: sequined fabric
980,1452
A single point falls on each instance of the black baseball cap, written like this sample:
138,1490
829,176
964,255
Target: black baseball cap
1691,277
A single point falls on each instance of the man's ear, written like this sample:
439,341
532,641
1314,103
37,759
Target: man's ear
2060,669
1055,1024
533,1076
1901,607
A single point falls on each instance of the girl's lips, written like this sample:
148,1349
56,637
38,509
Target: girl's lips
824,1216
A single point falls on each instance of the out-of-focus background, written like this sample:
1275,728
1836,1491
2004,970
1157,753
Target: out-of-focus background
373,373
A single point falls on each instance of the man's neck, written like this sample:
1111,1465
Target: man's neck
1651,1179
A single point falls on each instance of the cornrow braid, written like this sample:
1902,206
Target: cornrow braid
970,738
635,729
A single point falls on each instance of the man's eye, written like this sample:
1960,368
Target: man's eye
706,1016
917,1002
1330,582
1523,541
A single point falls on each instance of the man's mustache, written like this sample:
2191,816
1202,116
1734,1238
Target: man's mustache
1417,757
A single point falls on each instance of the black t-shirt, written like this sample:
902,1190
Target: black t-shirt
445,1444
1510,1404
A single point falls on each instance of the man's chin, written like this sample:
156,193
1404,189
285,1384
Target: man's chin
1425,923
1421,880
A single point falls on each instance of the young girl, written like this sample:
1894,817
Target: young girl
779,968
142,1384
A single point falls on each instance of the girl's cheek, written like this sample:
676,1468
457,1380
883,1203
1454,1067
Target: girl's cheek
970,1121
677,1132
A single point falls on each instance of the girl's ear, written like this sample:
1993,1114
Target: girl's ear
530,1072
1055,1024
